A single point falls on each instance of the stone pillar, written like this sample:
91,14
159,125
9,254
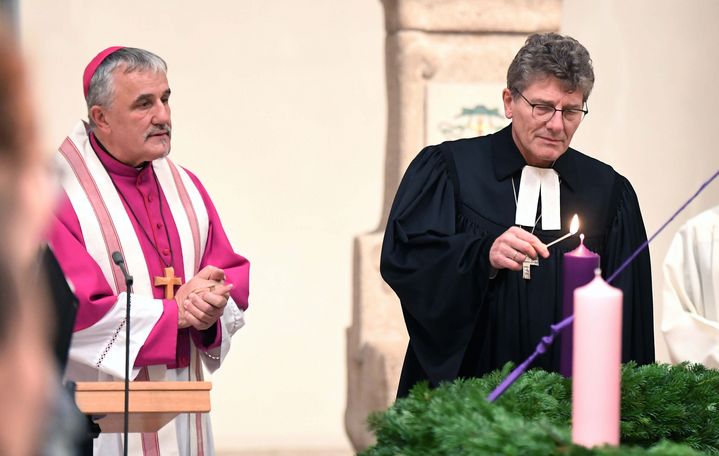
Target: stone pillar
429,42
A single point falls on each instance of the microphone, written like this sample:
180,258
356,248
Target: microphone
120,262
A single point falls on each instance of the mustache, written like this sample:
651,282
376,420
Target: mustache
159,130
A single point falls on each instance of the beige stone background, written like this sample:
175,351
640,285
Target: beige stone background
280,108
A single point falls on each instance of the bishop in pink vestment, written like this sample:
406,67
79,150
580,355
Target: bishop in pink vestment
123,194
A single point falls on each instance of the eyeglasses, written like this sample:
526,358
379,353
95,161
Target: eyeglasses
545,112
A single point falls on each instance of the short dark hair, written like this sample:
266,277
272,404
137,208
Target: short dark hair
11,86
12,156
552,54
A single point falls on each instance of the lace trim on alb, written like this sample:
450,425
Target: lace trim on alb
110,344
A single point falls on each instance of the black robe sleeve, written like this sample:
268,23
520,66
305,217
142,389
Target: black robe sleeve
624,236
439,273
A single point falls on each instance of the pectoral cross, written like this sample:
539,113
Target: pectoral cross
169,280
526,272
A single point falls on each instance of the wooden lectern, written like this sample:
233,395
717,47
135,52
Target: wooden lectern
152,404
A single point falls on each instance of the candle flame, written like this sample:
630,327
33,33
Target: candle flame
574,226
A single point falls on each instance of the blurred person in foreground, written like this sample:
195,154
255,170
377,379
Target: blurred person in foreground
28,378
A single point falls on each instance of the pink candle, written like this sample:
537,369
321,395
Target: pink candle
578,269
597,364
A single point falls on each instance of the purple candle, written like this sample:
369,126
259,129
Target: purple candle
579,266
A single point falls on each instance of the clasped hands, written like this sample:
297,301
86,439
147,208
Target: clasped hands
202,299
513,247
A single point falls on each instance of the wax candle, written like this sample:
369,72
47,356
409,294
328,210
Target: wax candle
597,364
578,270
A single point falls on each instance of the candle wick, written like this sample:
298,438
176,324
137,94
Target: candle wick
581,238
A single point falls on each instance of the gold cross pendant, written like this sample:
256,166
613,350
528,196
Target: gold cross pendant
169,280
526,272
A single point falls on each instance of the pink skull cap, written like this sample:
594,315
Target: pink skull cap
92,67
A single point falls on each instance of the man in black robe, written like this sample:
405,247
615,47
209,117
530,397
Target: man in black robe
461,228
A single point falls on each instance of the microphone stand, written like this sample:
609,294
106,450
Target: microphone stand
117,258
128,282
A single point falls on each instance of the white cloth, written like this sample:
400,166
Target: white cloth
691,292
536,181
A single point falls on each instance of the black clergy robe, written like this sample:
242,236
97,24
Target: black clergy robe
455,199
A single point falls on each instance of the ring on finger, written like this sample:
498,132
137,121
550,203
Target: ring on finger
514,257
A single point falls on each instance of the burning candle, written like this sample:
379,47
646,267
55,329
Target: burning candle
578,270
573,228
597,364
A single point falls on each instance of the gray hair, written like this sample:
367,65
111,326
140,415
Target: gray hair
551,54
101,89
